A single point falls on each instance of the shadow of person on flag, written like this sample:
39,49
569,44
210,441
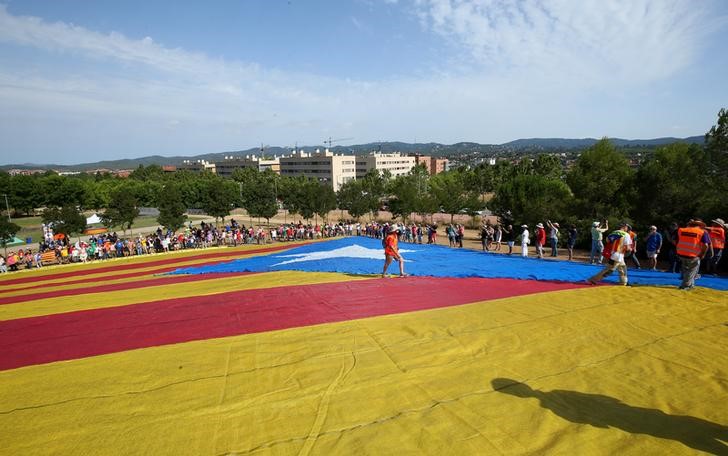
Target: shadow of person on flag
604,412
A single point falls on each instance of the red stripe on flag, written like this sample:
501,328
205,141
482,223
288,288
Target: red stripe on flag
50,338
126,267
100,287
128,275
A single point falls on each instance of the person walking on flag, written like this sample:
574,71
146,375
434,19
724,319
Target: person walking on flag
618,243
693,242
391,250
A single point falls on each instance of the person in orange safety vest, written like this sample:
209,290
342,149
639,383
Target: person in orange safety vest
717,241
692,244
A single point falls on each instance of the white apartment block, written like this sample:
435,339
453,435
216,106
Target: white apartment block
196,166
395,163
334,170
228,165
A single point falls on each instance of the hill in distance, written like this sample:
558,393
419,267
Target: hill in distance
436,149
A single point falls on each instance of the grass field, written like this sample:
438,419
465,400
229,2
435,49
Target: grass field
30,227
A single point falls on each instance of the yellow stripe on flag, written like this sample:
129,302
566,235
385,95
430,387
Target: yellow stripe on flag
605,370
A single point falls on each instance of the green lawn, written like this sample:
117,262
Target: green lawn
30,226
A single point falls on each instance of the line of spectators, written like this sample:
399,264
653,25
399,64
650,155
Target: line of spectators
111,245
412,233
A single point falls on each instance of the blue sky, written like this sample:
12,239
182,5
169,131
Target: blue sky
84,81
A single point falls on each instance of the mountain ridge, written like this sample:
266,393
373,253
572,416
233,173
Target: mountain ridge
437,149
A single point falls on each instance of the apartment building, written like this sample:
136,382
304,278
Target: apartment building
438,165
324,166
228,165
396,163
196,166
433,165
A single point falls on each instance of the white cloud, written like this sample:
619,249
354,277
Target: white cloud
593,41
526,63
59,36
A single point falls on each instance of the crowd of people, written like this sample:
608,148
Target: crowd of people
105,246
412,233
494,236
687,248
613,248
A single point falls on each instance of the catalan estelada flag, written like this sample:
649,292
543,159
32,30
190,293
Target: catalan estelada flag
303,349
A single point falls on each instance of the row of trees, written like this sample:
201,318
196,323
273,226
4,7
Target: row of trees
675,183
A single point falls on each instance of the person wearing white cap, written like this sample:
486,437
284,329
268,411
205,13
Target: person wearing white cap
540,239
525,240
391,250
597,247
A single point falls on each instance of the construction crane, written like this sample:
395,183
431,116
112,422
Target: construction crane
332,141
263,147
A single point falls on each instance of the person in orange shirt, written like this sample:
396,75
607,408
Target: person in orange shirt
391,250
717,241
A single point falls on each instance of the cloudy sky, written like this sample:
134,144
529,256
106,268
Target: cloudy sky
89,80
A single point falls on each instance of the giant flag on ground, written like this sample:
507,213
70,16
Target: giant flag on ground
300,350
362,255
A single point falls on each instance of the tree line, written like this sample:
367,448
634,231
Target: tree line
675,183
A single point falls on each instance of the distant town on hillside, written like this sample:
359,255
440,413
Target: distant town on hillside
463,153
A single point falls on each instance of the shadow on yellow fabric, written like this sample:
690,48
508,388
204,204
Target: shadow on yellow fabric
604,412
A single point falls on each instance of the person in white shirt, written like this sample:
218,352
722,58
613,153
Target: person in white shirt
525,240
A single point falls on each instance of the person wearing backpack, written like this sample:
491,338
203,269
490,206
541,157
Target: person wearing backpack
617,244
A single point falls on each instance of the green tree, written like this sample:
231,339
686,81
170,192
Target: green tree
502,171
260,193
666,185
26,193
61,190
323,199
451,194
531,199
151,172
308,197
716,147
8,230
601,181
122,210
411,194
67,220
306,203
191,185
548,166
480,179
171,208
219,197
96,194
352,197
294,196
362,196
716,144
5,181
